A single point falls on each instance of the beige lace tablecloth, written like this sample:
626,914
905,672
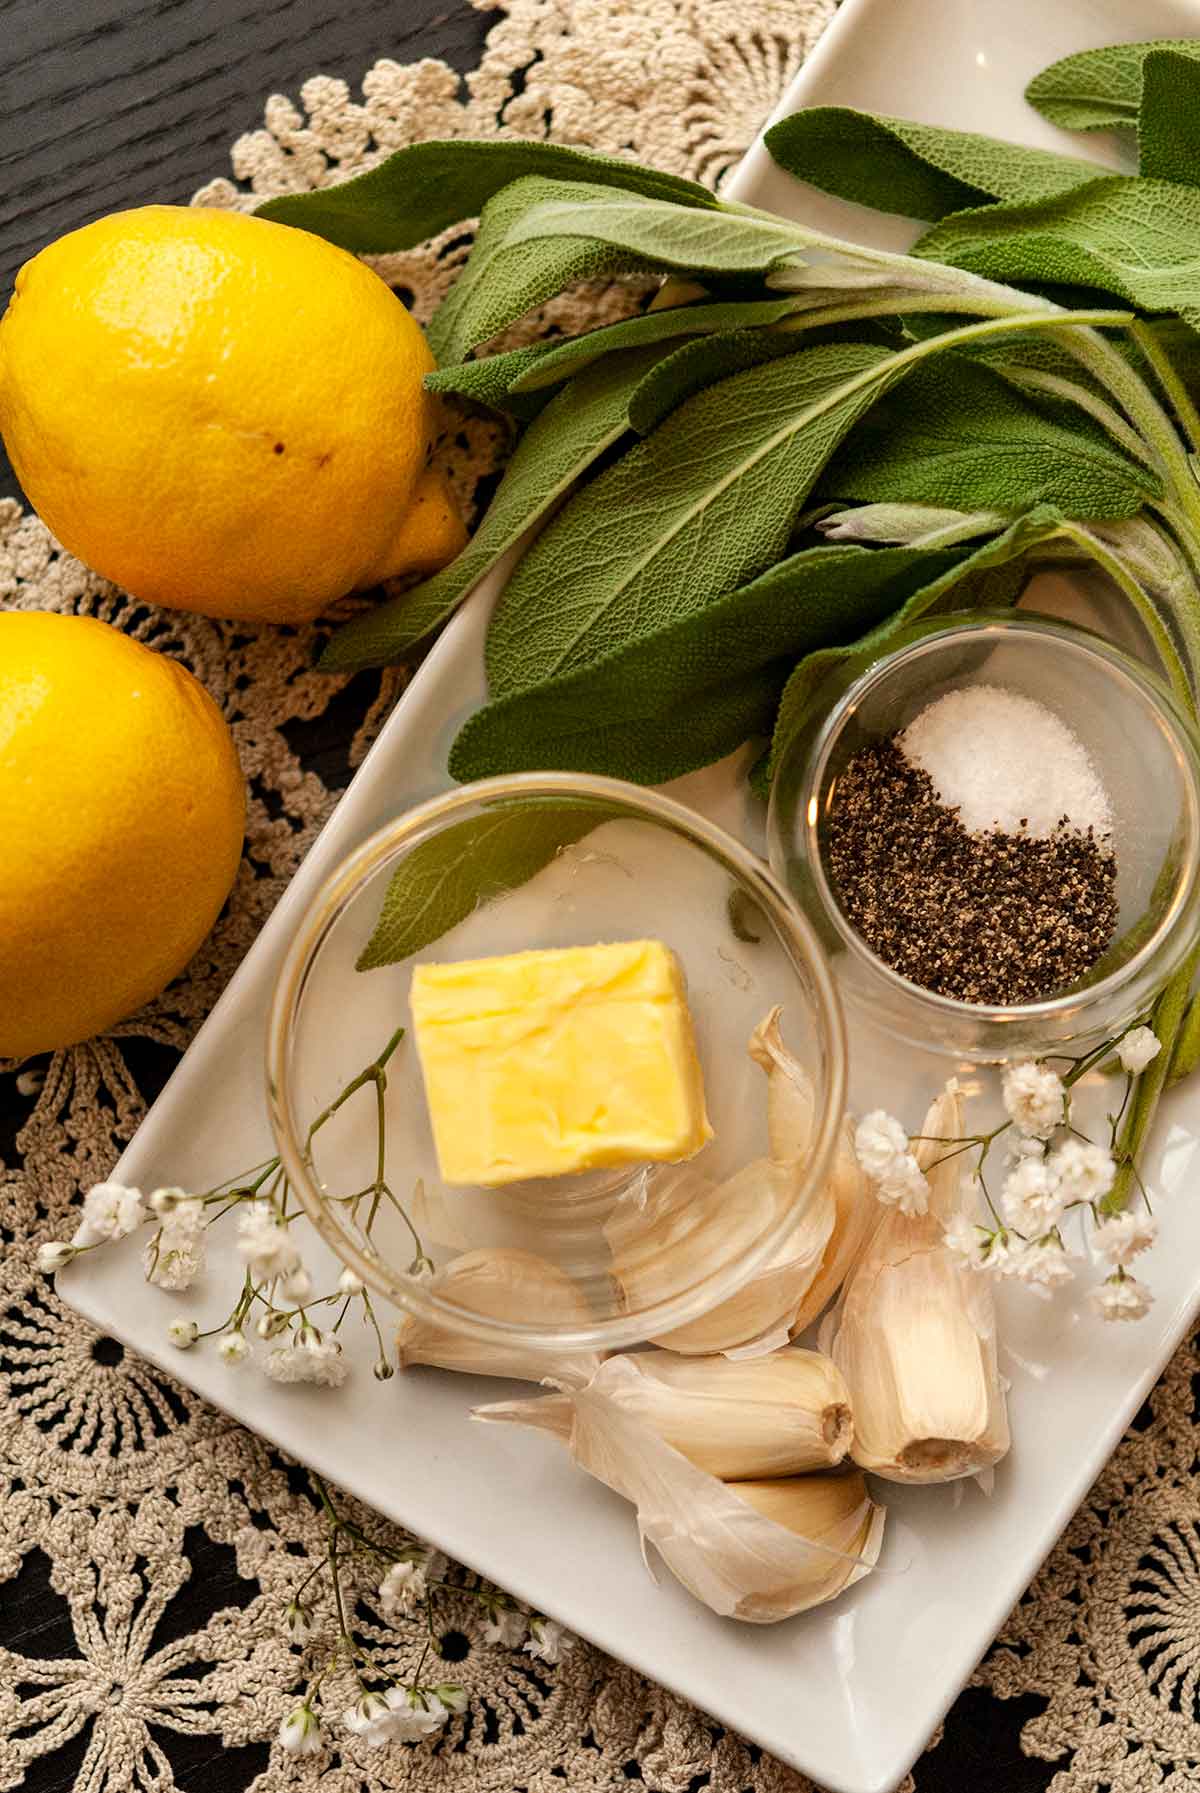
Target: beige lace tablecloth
111,1476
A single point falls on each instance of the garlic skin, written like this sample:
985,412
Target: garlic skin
501,1284
688,1222
738,1418
915,1336
745,1553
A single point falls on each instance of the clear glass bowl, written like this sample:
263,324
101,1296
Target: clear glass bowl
617,862
1144,749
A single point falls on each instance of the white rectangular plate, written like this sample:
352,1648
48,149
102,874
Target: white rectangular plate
850,1693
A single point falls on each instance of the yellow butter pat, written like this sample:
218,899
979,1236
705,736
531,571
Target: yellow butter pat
538,1064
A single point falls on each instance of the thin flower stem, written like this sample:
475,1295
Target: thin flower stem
1166,1021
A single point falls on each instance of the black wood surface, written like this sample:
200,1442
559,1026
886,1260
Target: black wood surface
111,103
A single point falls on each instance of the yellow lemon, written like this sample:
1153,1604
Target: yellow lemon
222,414
122,809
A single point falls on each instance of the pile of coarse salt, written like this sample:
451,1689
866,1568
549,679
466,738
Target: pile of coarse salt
1007,764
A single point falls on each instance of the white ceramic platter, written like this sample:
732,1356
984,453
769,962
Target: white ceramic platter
850,1693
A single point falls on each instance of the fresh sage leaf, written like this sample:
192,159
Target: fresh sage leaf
505,380
449,876
1097,90
421,190
699,507
1169,118
946,588
700,364
909,525
1134,237
609,717
574,429
958,434
917,170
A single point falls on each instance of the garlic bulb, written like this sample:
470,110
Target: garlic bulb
755,1550
500,1284
669,1241
760,1416
915,1336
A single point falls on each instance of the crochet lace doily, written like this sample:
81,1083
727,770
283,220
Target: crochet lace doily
111,1474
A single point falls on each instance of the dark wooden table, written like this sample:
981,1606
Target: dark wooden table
111,103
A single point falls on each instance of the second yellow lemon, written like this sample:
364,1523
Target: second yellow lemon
222,414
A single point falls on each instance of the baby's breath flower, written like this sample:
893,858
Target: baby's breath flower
314,1359
416,1711
298,1622
183,1333
164,1201
904,1186
1138,1049
54,1255
548,1640
879,1140
1043,1263
1084,1171
422,1268
1034,1098
382,1370
300,1734
1122,1297
967,1239
265,1243
452,1695
110,1211
505,1625
371,1720
349,1284
1032,1198
1120,1237
233,1347
298,1286
999,1253
269,1326
402,1588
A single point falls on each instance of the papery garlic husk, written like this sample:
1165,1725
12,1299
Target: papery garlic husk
778,1415
750,1549
670,1240
915,1335
501,1284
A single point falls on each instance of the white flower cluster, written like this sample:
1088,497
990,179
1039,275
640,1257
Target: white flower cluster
882,1148
175,1256
402,1589
397,1715
312,1357
548,1640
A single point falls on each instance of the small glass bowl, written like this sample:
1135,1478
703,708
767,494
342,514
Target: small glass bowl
617,862
1146,753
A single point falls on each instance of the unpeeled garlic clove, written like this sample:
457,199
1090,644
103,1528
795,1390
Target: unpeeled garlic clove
669,1241
915,1336
500,1284
746,1554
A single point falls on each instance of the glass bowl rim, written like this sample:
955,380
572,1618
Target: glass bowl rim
925,633
350,876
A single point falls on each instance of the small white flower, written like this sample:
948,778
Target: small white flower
371,1720
110,1210
233,1347
548,1640
1138,1049
300,1734
265,1243
349,1284
183,1333
269,1326
452,1696
1034,1098
505,1625
416,1712
1032,1198
54,1255
1084,1171
298,1622
402,1588
314,1359
967,1239
175,1258
298,1286
164,1201
1000,1253
904,1186
382,1370
1043,1263
879,1140
1121,1298
1120,1237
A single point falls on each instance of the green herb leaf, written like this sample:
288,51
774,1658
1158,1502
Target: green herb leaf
695,366
428,186
958,434
947,588
1139,238
1099,89
701,506
452,874
914,169
505,380
575,428
1169,118
631,714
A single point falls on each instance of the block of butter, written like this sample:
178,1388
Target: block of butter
538,1064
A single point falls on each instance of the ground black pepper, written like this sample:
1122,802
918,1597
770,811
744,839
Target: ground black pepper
988,918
